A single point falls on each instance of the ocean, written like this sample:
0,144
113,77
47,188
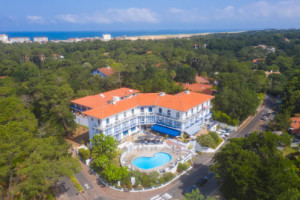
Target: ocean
63,35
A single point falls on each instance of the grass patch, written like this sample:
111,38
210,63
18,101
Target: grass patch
76,183
288,150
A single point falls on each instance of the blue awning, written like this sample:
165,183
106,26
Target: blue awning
165,130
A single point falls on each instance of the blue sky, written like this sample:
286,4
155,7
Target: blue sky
97,15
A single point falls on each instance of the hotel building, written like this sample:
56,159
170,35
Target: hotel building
3,38
40,39
20,40
123,112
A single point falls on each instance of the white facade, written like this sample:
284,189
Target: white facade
40,39
106,37
3,38
19,39
131,121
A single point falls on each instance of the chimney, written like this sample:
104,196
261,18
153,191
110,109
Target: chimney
162,94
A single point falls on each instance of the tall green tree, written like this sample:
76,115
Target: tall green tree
253,168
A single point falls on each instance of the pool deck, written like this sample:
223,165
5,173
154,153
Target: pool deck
149,151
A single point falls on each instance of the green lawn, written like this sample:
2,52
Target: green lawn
288,150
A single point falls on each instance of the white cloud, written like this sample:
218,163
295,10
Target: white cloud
175,10
35,19
112,15
262,10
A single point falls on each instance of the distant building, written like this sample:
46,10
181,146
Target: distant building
265,47
104,71
40,39
196,46
20,39
3,38
106,37
198,87
271,72
286,40
257,61
57,56
2,77
202,80
295,125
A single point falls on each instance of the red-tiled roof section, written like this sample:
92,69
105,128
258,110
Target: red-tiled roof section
3,76
192,99
111,109
196,87
295,124
101,99
200,79
182,102
107,71
146,99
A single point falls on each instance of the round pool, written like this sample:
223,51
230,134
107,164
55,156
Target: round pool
151,162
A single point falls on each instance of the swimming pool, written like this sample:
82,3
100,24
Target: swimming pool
151,162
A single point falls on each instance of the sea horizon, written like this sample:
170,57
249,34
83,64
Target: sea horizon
64,35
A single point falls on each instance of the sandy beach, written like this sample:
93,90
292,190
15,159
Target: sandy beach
162,37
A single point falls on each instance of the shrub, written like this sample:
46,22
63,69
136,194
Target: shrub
215,137
206,141
181,167
84,153
153,178
223,117
146,181
168,176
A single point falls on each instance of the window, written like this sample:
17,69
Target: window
197,108
125,114
169,113
117,117
177,115
98,121
192,110
186,114
142,109
150,109
132,111
160,110
107,121
92,119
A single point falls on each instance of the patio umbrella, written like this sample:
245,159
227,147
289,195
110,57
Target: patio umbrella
150,137
141,137
158,137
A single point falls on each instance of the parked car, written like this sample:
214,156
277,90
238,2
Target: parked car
202,181
190,189
264,118
247,134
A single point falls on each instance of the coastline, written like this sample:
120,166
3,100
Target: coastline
163,37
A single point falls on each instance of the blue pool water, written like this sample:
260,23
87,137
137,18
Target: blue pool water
151,162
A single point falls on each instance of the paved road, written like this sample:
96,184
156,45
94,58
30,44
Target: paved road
175,189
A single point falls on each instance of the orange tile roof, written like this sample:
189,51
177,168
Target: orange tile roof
268,73
111,109
106,71
193,99
200,79
3,76
196,87
257,60
101,99
146,99
180,102
295,124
